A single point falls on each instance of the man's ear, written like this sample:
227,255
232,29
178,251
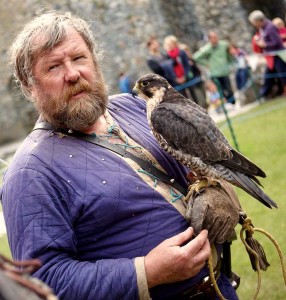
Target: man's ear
32,92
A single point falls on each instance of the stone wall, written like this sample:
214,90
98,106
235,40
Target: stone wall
272,9
121,27
227,18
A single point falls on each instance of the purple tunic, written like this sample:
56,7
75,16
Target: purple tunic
271,37
87,214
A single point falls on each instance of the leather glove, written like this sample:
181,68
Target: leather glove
215,208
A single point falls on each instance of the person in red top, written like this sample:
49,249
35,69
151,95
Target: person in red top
181,64
254,40
270,43
179,57
183,72
269,81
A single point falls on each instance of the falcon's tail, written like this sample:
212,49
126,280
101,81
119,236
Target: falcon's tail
247,184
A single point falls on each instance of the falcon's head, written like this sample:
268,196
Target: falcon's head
152,88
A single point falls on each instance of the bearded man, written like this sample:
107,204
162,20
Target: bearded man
101,226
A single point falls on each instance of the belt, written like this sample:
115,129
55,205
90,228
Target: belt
203,290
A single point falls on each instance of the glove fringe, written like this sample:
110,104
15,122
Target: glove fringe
257,247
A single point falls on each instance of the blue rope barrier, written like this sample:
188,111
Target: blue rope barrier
188,83
199,79
272,75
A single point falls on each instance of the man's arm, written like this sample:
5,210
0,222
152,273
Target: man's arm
202,55
272,38
155,67
39,223
185,62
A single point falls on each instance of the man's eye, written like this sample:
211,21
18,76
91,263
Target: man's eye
52,67
78,57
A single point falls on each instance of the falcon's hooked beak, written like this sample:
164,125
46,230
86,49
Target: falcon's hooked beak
135,90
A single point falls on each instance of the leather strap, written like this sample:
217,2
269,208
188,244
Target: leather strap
145,165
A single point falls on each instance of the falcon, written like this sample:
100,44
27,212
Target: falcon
188,133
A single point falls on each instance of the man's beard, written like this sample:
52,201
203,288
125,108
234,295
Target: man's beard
77,114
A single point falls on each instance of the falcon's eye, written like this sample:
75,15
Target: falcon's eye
145,83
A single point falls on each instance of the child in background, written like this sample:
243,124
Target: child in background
214,96
280,24
242,71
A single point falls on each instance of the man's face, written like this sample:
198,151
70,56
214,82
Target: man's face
213,39
258,23
154,46
68,89
170,45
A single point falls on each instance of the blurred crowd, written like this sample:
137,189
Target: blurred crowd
204,76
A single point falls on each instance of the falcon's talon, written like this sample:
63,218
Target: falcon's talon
192,177
200,185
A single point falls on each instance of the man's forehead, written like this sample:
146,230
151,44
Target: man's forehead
71,41
45,46
213,35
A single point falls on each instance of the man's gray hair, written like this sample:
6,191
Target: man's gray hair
256,15
43,33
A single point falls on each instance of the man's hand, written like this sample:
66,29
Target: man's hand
260,43
181,80
177,258
215,208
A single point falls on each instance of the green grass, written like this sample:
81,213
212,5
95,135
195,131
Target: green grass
261,136
4,249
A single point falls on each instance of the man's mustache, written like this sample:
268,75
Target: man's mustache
81,86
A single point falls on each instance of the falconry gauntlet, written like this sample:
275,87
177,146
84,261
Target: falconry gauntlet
215,208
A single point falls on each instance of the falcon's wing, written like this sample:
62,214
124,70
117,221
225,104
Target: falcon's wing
191,130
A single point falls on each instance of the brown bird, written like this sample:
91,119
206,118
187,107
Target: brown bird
188,133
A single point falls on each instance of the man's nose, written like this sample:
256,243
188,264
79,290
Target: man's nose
71,73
